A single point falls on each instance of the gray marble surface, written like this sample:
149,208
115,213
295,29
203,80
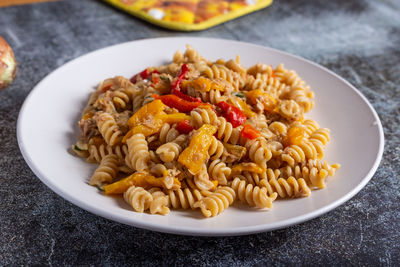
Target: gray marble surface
359,40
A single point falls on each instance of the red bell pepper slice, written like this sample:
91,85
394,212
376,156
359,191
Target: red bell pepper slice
273,74
144,74
106,88
185,96
249,132
179,103
184,127
155,79
232,114
181,76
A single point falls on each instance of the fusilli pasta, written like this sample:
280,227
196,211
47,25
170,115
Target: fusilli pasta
199,134
139,156
254,196
106,172
216,202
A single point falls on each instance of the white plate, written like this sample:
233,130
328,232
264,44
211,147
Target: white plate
47,126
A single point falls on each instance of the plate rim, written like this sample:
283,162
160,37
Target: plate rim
184,230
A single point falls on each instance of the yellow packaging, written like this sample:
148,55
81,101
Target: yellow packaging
189,15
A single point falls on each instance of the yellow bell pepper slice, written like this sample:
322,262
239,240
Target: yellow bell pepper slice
268,101
158,182
196,153
88,116
242,105
150,127
96,140
173,118
294,136
119,187
253,94
137,179
153,125
246,166
204,84
150,110
235,150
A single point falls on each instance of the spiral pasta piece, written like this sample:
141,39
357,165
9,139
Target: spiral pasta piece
290,109
139,155
109,129
106,172
98,152
169,151
319,147
265,83
278,128
122,98
292,79
138,198
188,182
216,149
299,94
310,126
216,202
217,71
322,135
290,187
280,72
159,204
313,176
81,149
219,171
148,96
212,96
260,68
255,178
322,165
235,66
261,123
191,55
184,199
293,154
254,196
137,99
275,147
121,82
258,152
200,116
256,82
276,87
225,130
157,169
309,149
202,179
178,57
154,157
167,133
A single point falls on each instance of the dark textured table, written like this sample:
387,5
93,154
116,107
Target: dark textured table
359,40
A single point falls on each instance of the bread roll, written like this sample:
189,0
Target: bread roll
8,64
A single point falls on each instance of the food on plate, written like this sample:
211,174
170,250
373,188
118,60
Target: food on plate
203,134
8,64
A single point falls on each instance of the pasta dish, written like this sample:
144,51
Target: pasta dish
197,134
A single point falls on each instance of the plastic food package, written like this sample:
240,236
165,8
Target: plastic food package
189,15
